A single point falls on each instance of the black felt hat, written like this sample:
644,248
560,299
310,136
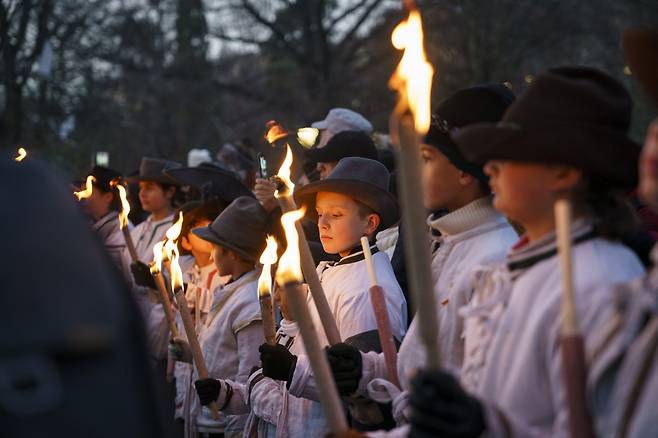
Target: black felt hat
481,103
213,181
571,115
241,227
152,169
362,179
104,176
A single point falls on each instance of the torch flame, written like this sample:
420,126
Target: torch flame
125,205
413,77
158,253
176,272
289,269
267,259
275,132
172,234
22,153
284,172
84,194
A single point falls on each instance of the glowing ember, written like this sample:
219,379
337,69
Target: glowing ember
22,153
284,173
307,136
267,259
413,77
84,194
275,132
289,269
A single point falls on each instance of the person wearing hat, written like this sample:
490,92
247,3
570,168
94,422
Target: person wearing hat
353,201
467,233
202,280
103,206
341,145
233,330
156,195
624,369
339,120
565,136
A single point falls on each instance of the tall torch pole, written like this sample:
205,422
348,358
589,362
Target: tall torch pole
289,277
287,204
188,324
571,340
410,119
267,259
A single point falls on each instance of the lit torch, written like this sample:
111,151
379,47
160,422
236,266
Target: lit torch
21,154
123,219
267,259
275,132
89,188
179,292
289,277
287,204
156,271
410,119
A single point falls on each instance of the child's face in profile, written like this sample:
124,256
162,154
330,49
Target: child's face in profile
340,223
195,244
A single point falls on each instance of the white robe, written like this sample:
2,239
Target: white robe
512,356
474,235
624,359
229,342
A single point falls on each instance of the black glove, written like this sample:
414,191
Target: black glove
440,407
208,390
346,366
142,275
278,363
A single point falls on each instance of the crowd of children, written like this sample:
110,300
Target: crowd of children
493,167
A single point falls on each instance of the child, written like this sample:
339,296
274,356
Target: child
565,136
467,233
103,206
273,411
353,201
233,329
202,280
624,371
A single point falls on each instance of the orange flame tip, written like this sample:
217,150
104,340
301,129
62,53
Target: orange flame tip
84,194
289,269
284,173
267,259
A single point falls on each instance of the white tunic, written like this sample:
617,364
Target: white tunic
274,412
473,235
205,281
346,285
229,342
624,370
512,356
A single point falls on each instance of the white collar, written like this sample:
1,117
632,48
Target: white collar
470,216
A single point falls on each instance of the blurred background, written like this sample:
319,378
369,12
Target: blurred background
110,81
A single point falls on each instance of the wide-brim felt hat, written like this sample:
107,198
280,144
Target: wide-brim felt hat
104,176
641,50
476,104
212,181
576,116
241,227
362,179
152,169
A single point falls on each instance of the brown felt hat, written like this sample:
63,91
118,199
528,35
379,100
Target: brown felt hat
577,116
240,227
362,179
152,169
641,49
